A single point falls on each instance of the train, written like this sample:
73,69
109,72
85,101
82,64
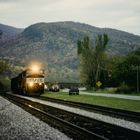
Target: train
29,82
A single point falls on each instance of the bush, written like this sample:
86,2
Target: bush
124,88
1,87
5,81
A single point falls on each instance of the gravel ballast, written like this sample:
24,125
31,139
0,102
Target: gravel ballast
17,124
120,122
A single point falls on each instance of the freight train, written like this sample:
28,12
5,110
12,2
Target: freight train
29,82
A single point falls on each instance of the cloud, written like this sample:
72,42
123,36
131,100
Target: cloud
120,14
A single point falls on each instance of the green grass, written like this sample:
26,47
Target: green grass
96,100
112,91
105,90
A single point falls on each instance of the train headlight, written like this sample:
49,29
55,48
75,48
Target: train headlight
31,84
35,69
40,84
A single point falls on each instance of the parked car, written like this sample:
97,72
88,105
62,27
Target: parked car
54,88
74,90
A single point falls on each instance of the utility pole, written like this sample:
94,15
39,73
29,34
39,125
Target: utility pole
138,79
137,68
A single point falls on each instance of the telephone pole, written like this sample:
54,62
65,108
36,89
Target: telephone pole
137,68
138,79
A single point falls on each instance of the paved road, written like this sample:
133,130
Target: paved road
131,97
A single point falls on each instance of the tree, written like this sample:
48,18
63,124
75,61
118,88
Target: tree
85,53
91,59
108,70
1,34
124,72
3,66
100,46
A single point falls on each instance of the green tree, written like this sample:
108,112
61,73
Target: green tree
111,63
85,53
91,59
123,71
3,79
100,46
1,34
3,66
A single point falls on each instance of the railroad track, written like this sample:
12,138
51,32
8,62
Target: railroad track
118,113
76,126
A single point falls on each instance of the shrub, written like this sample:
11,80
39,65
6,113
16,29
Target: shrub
124,88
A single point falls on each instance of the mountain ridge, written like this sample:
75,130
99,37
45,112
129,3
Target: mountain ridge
55,44
9,31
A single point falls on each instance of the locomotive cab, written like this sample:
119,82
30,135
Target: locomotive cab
29,82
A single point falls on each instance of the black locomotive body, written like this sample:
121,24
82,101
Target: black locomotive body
28,83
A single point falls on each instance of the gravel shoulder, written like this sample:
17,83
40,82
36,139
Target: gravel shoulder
17,124
105,118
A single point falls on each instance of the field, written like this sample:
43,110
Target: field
96,100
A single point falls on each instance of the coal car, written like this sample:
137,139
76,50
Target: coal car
29,82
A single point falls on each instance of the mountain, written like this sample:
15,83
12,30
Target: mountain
8,31
54,44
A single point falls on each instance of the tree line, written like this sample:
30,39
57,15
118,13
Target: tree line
111,71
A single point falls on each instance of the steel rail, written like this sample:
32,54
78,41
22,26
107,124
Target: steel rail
119,113
99,128
76,132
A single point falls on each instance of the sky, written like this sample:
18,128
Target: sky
117,14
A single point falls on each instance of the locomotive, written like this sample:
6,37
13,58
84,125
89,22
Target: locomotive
29,82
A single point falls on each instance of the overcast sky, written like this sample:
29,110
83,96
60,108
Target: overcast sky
119,14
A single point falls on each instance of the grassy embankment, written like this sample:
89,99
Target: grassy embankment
96,100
